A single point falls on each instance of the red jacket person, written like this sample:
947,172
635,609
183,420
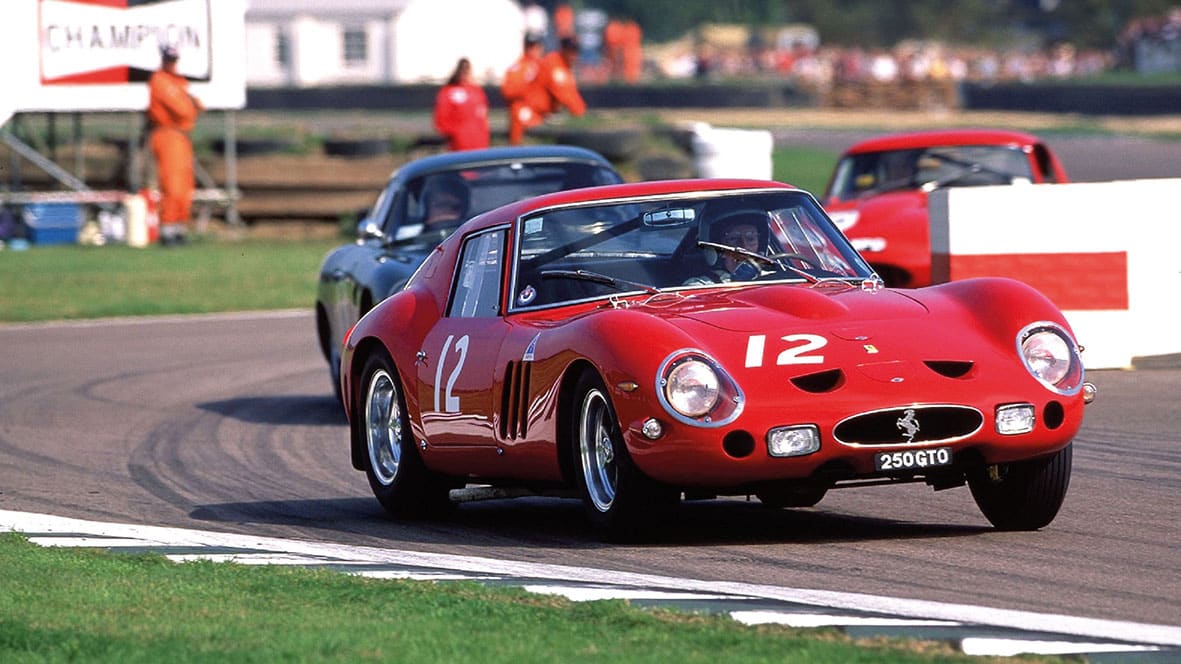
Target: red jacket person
461,110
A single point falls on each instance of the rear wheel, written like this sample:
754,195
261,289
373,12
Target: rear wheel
1024,495
618,498
397,476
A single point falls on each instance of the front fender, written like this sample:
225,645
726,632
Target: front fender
1000,306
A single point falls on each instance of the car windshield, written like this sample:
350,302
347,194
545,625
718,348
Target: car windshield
872,173
677,243
443,200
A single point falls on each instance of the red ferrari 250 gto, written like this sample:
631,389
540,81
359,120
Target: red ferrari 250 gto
635,343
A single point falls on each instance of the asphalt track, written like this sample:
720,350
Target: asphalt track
227,423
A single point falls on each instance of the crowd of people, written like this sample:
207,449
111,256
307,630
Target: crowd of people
826,65
537,86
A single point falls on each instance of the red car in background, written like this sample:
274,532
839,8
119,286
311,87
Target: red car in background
878,191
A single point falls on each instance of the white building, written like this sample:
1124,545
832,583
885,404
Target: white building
304,43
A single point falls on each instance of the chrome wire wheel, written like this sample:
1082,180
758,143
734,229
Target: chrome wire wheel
596,445
383,427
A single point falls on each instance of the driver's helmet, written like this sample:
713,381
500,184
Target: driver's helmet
746,228
450,187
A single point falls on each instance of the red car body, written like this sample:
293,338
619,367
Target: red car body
553,345
878,190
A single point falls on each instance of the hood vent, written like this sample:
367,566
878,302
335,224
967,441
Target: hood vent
950,368
820,382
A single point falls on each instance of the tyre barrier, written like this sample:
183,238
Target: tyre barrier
253,147
353,147
615,144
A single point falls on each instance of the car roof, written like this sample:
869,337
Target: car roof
943,137
450,161
622,191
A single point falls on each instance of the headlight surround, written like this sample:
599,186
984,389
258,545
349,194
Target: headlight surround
1051,356
694,389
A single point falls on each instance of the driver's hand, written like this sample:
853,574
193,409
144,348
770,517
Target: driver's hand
746,271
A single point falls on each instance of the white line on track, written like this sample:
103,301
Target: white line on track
41,525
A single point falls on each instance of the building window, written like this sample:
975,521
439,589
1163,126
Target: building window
282,49
356,46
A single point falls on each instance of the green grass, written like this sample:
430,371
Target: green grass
77,605
60,282
214,274
806,168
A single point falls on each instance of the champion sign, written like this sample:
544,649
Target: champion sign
119,41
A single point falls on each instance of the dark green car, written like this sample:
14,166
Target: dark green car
423,202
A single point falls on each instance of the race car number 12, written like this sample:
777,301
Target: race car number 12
801,349
450,401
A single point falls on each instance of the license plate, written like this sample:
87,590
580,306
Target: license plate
912,459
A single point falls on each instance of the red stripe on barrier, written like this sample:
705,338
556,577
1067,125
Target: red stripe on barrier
110,75
1074,282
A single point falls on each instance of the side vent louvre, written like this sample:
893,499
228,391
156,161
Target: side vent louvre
514,401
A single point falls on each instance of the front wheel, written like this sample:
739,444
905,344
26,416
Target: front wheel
618,498
1024,495
397,476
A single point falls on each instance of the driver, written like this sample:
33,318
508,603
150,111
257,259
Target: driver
744,229
446,198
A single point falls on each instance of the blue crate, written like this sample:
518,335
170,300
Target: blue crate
53,223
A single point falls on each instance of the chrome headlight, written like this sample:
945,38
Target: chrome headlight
1051,356
692,388
695,390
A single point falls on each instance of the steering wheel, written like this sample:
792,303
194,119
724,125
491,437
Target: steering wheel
781,268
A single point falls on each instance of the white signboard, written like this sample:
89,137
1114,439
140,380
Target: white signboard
97,55
101,42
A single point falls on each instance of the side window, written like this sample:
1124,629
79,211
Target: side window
394,212
477,283
1044,166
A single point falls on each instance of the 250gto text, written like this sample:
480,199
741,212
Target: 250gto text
908,460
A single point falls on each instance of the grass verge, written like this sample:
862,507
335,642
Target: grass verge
92,606
208,275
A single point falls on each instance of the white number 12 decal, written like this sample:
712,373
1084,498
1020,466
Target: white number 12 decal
450,402
799,353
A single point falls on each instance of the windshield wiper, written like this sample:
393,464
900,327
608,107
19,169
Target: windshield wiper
599,278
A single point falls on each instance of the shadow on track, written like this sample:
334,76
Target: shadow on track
300,410
555,522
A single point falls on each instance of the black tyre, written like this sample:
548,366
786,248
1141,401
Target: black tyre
1025,495
400,481
331,354
618,498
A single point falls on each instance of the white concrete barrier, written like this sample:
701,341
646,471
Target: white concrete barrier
732,153
1107,253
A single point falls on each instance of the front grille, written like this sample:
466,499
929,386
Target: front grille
911,425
